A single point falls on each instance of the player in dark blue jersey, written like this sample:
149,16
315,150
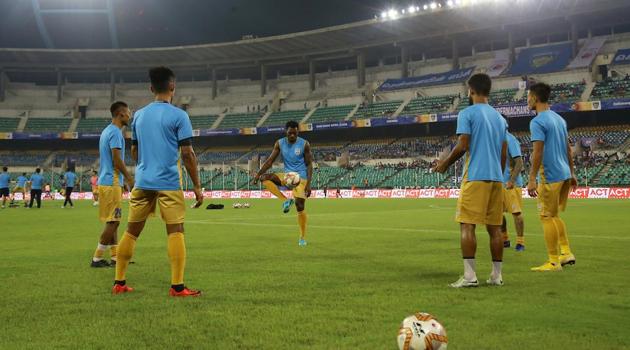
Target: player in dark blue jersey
297,157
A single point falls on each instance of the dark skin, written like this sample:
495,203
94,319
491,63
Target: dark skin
121,119
292,135
189,158
468,237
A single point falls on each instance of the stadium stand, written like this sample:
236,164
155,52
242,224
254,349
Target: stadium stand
8,124
377,110
92,125
240,120
327,114
425,105
48,124
203,122
611,89
281,117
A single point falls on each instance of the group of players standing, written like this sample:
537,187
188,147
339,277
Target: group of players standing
162,136
36,186
489,187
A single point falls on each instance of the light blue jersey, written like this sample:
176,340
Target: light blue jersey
487,130
4,180
21,181
37,181
71,178
293,156
111,138
514,151
550,128
158,129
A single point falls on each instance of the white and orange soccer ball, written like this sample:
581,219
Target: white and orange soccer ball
291,179
422,332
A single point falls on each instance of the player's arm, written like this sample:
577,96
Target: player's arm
269,162
516,166
571,166
463,142
537,153
308,159
190,162
134,151
504,155
119,164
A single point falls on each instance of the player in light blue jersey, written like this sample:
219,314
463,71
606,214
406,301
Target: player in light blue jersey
37,182
297,157
71,179
482,138
551,177
112,173
20,187
160,134
513,193
5,178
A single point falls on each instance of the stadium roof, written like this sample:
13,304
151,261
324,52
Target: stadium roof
425,32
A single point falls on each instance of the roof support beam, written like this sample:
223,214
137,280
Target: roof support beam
111,19
41,26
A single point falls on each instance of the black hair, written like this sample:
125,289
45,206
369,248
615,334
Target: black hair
481,84
291,124
38,170
23,174
113,109
160,78
542,92
5,168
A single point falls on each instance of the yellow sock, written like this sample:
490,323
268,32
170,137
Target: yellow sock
113,251
506,237
563,239
273,188
302,223
177,256
520,240
125,247
551,238
98,253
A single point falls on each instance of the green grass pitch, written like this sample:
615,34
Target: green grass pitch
369,264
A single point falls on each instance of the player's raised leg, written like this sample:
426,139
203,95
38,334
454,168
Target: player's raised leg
272,182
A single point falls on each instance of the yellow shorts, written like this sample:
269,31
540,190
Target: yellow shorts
513,200
552,197
143,202
480,203
110,198
299,191
18,189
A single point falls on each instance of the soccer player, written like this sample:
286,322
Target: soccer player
70,179
513,193
160,133
482,137
37,180
112,174
20,186
94,184
297,157
556,178
5,178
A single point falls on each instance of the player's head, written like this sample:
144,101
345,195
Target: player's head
38,170
23,174
162,80
5,169
94,172
538,93
120,111
292,129
479,86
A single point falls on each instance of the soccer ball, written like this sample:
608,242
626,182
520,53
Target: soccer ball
421,332
236,205
292,179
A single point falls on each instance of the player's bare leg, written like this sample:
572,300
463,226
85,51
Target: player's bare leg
177,257
504,233
107,240
496,250
302,218
519,223
272,184
469,248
